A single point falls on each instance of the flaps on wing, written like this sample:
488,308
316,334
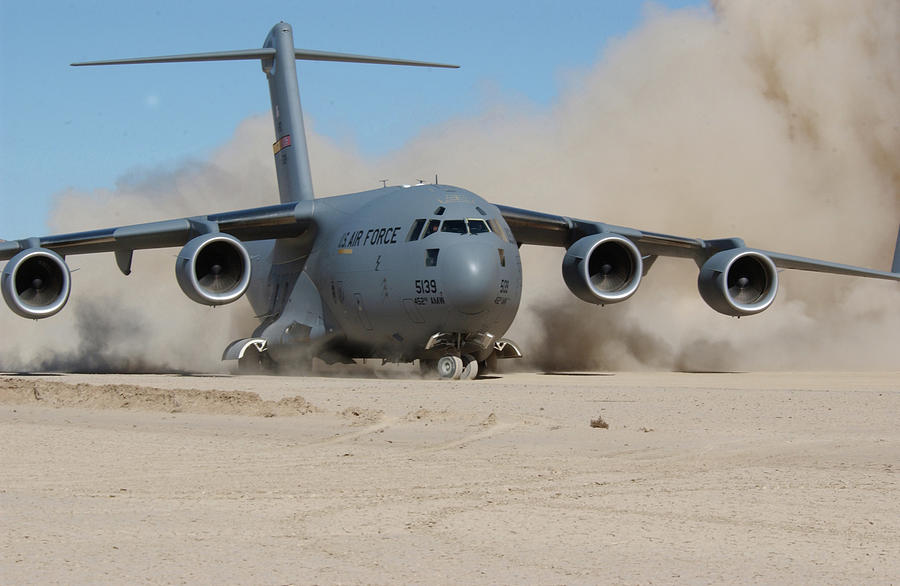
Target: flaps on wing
270,222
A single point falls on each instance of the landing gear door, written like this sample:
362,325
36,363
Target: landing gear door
301,319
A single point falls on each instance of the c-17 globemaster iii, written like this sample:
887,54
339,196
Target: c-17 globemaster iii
425,272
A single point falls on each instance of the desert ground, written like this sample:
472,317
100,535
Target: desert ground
389,478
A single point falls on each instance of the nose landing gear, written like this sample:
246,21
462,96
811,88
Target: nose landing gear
470,368
449,367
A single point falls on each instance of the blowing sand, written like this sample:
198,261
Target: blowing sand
762,478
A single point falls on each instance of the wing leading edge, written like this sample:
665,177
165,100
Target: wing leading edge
212,268
277,221
530,227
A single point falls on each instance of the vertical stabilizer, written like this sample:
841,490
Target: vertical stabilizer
291,156
278,57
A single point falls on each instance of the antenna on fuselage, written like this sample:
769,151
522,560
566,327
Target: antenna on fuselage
277,56
383,182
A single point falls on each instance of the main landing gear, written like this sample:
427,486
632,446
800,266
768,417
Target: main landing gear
255,361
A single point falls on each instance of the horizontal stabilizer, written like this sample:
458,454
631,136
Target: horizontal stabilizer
307,55
265,53
215,56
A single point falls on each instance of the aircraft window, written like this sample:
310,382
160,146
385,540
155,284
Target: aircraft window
478,226
497,229
439,211
415,230
480,211
431,228
431,256
454,226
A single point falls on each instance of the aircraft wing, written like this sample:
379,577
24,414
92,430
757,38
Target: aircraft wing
604,263
531,227
276,221
213,267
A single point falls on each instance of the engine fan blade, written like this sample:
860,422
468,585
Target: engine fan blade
745,288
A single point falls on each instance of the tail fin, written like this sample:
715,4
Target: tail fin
277,56
291,156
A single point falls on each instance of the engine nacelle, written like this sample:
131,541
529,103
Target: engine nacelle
738,282
213,269
36,283
603,268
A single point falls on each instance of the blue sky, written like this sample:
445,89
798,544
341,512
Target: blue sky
84,128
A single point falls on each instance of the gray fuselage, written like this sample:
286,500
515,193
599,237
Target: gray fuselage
389,269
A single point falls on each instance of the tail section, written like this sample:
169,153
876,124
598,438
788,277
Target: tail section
291,156
277,56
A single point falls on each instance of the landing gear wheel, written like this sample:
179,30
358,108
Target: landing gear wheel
449,367
255,362
470,368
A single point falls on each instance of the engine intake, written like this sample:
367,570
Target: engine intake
213,269
738,282
603,268
36,283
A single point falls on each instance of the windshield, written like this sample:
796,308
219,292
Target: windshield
454,226
478,227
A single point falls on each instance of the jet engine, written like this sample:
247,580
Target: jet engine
36,283
213,269
738,282
603,268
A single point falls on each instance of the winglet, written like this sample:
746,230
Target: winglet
895,268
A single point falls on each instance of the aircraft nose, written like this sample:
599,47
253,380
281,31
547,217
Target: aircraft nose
471,274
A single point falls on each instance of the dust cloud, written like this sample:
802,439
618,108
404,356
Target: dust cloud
778,122
772,121
143,322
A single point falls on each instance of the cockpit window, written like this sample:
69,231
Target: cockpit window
432,227
454,226
478,226
468,226
415,230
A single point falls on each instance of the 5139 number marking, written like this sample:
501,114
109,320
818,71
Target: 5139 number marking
426,286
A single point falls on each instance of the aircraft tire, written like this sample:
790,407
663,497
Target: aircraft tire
449,367
470,368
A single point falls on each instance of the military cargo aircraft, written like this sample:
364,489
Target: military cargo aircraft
426,272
